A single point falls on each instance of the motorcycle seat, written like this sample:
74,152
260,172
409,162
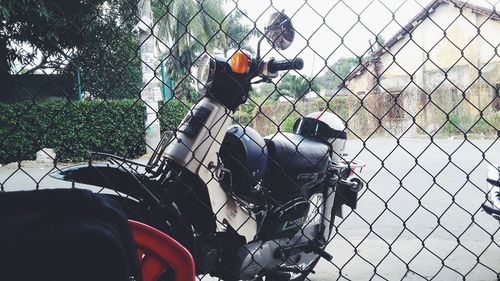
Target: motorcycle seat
295,161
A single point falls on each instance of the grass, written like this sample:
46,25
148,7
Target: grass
458,124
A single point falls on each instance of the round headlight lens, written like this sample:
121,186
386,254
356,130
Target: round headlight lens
206,71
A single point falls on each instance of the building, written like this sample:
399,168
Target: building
444,62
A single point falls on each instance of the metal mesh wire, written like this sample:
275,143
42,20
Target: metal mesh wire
416,83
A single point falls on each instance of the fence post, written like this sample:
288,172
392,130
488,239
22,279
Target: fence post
78,83
167,85
150,93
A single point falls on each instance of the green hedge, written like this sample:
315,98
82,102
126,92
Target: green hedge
171,113
74,129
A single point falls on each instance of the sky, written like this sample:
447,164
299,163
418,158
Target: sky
327,30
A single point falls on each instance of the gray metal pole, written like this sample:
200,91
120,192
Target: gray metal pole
78,84
151,92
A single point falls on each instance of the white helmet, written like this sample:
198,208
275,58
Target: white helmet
326,126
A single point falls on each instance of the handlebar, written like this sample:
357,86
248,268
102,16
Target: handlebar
274,65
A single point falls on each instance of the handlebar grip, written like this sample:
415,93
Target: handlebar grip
274,65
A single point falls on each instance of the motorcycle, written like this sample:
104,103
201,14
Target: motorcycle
246,207
492,204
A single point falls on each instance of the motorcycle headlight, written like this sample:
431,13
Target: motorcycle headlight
206,71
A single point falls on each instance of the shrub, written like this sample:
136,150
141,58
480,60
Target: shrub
274,116
287,125
171,112
73,129
458,124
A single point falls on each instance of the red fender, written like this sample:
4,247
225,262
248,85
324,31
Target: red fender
156,251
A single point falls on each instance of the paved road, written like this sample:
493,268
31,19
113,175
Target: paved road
433,193
421,206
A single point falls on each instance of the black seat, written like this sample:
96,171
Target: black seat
295,162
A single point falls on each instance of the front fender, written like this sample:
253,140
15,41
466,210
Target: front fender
109,176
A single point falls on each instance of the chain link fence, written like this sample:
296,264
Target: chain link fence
416,84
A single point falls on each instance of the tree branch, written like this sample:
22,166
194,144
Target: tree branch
41,65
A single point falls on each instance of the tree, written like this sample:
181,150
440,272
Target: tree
187,28
266,90
337,72
94,36
236,35
109,63
32,30
296,86
340,69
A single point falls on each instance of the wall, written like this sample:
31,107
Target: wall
443,68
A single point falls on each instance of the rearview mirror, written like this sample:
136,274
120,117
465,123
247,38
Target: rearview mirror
279,31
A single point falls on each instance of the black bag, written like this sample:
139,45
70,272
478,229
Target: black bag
65,234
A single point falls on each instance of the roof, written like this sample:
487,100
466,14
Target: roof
415,22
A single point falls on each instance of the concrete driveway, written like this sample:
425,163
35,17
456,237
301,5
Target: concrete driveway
420,216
